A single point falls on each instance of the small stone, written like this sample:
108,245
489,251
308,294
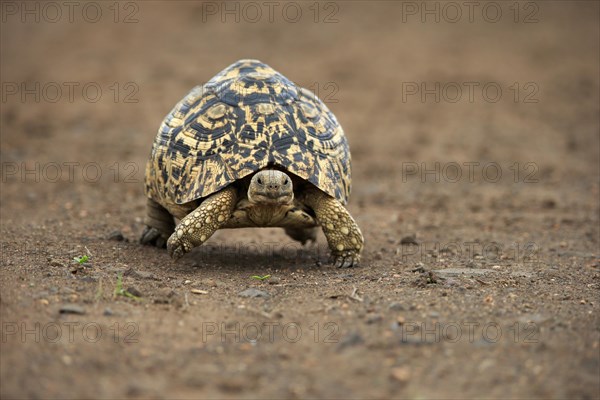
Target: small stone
396,306
116,235
108,312
55,263
231,385
548,203
352,339
427,278
140,274
254,293
132,290
198,291
462,271
373,318
410,239
401,374
420,267
165,296
486,364
71,309
274,280
212,283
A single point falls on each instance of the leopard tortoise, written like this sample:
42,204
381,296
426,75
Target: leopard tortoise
250,149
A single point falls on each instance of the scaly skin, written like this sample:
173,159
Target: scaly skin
159,225
302,235
202,223
270,192
343,234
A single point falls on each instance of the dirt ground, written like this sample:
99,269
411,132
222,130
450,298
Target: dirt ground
474,129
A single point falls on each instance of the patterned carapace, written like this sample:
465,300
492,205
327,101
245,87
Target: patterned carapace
246,118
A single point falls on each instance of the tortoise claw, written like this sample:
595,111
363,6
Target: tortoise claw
177,247
153,237
345,260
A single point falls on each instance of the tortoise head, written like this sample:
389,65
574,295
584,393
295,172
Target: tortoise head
271,187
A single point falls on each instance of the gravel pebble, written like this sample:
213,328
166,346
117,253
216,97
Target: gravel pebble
410,239
352,339
253,292
116,235
71,309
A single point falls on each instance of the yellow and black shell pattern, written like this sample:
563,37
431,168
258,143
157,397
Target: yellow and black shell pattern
246,118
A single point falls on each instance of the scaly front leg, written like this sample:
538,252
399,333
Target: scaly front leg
200,224
343,234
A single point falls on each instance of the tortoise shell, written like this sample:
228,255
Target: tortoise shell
246,118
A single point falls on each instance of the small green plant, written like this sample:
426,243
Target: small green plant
261,278
119,291
82,259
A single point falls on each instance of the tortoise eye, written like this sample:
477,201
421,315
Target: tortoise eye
260,182
286,181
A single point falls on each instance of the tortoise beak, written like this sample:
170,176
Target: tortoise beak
270,197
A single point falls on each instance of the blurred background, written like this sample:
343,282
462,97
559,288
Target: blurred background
467,121
409,81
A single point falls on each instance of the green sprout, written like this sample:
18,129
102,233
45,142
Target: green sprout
260,278
119,291
82,259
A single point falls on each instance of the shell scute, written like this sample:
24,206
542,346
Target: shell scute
245,118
